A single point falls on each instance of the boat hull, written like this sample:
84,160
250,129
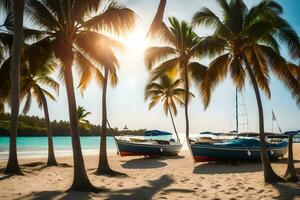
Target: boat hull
210,152
126,148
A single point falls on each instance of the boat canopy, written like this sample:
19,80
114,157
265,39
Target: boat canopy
156,133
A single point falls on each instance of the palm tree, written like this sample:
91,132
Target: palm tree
103,165
169,92
245,42
290,173
181,47
110,69
74,37
33,76
18,9
82,114
11,41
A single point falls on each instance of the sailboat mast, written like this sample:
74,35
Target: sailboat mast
236,111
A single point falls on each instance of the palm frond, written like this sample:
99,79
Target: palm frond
27,104
165,67
212,46
197,71
86,70
280,69
40,16
295,70
115,19
238,73
216,72
49,82
260,69
156,54
205,17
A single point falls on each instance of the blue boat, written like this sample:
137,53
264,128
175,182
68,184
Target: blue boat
133,146
235,149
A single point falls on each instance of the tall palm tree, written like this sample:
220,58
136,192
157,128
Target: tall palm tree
181,47
33,77
18,10
110,69
82,113
75,36
168,91
103,165
246,42
11,41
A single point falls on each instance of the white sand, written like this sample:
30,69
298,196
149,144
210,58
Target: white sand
165,178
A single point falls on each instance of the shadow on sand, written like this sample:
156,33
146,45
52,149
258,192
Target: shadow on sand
143,163
148,162
143,192
61,195
31,168
223,168
287,190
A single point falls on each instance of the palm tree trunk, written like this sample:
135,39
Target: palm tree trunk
290,173
18,10
174,125
186,102
269,175
51,156
81,181
103,166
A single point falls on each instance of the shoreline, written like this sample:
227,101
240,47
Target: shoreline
156,178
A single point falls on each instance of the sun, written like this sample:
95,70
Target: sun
136,40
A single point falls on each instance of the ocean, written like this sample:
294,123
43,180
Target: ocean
37,146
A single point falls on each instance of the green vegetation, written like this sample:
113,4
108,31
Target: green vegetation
35,126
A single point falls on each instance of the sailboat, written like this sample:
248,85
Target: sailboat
150,145
236,146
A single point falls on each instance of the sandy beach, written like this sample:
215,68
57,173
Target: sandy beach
160,178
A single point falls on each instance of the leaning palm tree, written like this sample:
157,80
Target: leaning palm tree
245,42
74,36
36,73
82,113
181,47
36,67
168,91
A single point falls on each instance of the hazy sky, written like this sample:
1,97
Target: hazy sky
126,101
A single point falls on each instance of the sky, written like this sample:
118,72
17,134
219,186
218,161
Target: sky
126,103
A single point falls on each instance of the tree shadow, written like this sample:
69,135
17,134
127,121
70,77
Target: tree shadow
284,161
287,190
143,163
143,192
5,177
222,168
62,195
32,167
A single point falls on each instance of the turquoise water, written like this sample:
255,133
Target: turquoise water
37,146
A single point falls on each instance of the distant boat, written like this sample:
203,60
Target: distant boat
208,149
133,146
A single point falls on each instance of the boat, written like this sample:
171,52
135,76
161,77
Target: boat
235,145
148,146
240,149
